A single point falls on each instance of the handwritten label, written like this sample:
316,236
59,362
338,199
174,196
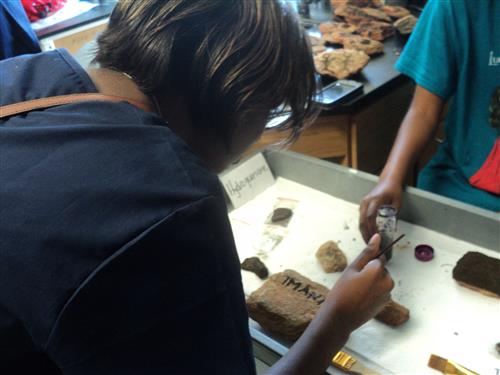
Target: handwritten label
304,289
247,180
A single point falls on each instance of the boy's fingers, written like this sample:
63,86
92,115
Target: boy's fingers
369,253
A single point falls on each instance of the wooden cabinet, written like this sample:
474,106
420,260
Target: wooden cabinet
360,140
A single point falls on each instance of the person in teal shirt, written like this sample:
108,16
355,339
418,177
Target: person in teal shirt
453,55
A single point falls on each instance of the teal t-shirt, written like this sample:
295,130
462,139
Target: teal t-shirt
454,52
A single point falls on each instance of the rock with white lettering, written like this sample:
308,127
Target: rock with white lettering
286,303
406,24
331,258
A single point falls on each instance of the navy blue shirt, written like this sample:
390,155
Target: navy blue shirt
116,254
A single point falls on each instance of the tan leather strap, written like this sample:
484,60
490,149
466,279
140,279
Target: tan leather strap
53,101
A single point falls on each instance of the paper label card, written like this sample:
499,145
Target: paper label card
247,180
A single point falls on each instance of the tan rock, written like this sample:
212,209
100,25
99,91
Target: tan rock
406,24
341,63
375,30
393,314
331,258
286,303
318,49
395,11
336,37
352,14
316,41
358,3
330,27
376,14
359,43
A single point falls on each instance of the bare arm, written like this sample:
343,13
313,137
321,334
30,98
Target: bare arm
359,294
415,133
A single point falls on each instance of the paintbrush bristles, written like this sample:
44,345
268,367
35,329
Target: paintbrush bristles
437,363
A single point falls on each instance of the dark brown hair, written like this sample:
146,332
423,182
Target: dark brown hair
227,57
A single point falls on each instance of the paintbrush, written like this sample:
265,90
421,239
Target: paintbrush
388,247
448,367
351,365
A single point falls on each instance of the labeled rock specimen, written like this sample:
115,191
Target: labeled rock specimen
406,24
255,265
331,258
341,63
479,272
359,43
286,303
393,314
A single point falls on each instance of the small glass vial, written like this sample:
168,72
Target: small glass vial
387,221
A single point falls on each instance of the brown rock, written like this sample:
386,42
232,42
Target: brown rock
375,30
286,303
395,11
341,63
479,272
331,258
369,46
393,314
406,24
330,27
255,265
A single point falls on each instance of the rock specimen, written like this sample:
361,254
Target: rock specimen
359,43
376,14
352,14
393,314
316,41
286,303
340,63
280,214
358,3
330,27
337,37
316,50
331,258
375,30
395,11
256,266
406,24
479,272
